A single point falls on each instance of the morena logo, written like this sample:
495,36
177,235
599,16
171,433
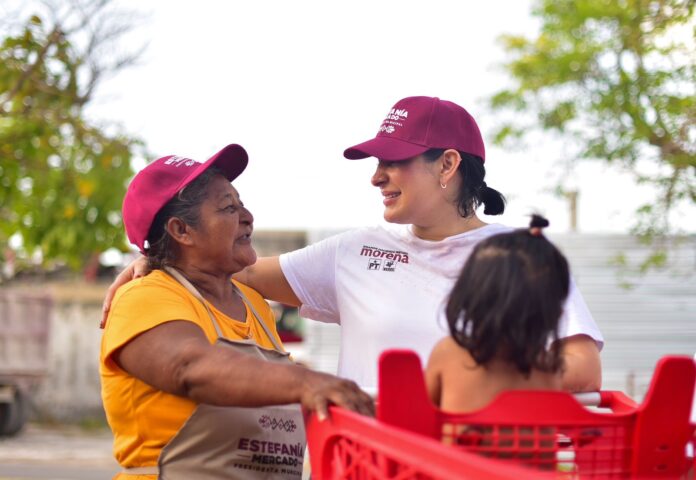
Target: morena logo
394,256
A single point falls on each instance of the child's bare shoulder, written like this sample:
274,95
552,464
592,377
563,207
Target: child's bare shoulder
446,344
448,349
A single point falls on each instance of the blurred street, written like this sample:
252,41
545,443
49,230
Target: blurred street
57,453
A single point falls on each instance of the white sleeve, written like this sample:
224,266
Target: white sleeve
311,272
577,319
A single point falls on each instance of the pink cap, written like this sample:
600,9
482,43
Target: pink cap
415,125
157,183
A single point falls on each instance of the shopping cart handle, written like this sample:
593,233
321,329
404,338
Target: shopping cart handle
617,402
589,399
604,399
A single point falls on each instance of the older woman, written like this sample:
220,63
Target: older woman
195,381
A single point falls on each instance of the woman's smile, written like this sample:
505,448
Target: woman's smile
390,198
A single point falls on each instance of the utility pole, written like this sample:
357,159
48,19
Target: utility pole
572,197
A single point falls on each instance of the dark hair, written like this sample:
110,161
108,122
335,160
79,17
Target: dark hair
186,205
508,300
474,190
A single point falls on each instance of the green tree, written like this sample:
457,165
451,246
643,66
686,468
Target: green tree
617,81
62,177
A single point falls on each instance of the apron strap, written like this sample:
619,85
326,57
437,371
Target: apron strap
248,303
193,291
153,470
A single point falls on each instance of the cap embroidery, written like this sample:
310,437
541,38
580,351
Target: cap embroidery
177,161
397,113
393,120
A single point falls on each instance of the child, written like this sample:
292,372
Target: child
503,315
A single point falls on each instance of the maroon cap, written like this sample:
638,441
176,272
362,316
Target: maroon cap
157,183
417,124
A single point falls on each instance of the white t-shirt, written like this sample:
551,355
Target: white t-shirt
387,289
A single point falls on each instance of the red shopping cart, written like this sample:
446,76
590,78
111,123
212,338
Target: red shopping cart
521,435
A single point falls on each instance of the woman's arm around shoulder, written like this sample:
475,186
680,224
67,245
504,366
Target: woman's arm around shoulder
266,277
136,269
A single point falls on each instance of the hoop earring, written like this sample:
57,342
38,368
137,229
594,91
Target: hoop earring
443,185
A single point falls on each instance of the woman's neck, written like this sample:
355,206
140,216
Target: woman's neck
443,228
213,287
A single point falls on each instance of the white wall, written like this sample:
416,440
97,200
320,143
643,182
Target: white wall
71,390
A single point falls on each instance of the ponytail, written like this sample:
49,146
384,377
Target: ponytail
473,191
493,201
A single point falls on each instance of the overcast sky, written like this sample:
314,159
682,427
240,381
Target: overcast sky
296,82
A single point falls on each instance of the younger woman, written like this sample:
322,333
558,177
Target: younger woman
503,315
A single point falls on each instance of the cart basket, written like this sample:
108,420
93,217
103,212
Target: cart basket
521,435
551,431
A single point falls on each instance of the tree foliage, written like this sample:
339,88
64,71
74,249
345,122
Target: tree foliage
62,177
617,81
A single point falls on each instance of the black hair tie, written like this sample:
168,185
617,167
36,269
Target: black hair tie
536,224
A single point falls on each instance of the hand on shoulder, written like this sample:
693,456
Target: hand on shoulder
136,269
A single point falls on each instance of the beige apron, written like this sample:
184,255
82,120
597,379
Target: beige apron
242,443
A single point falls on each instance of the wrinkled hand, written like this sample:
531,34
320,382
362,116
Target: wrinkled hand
321,389
136,269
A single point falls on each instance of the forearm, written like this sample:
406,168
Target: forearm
177,358
582,364
221,376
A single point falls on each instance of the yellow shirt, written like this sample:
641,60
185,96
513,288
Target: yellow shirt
142,418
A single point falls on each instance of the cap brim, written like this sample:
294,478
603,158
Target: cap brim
385,148
231,160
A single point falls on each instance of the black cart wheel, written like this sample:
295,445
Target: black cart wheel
14,415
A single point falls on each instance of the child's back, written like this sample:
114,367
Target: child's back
503,315
457,384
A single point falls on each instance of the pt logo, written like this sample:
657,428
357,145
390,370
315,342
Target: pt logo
374,264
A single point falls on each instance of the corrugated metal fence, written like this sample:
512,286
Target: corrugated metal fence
643,316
